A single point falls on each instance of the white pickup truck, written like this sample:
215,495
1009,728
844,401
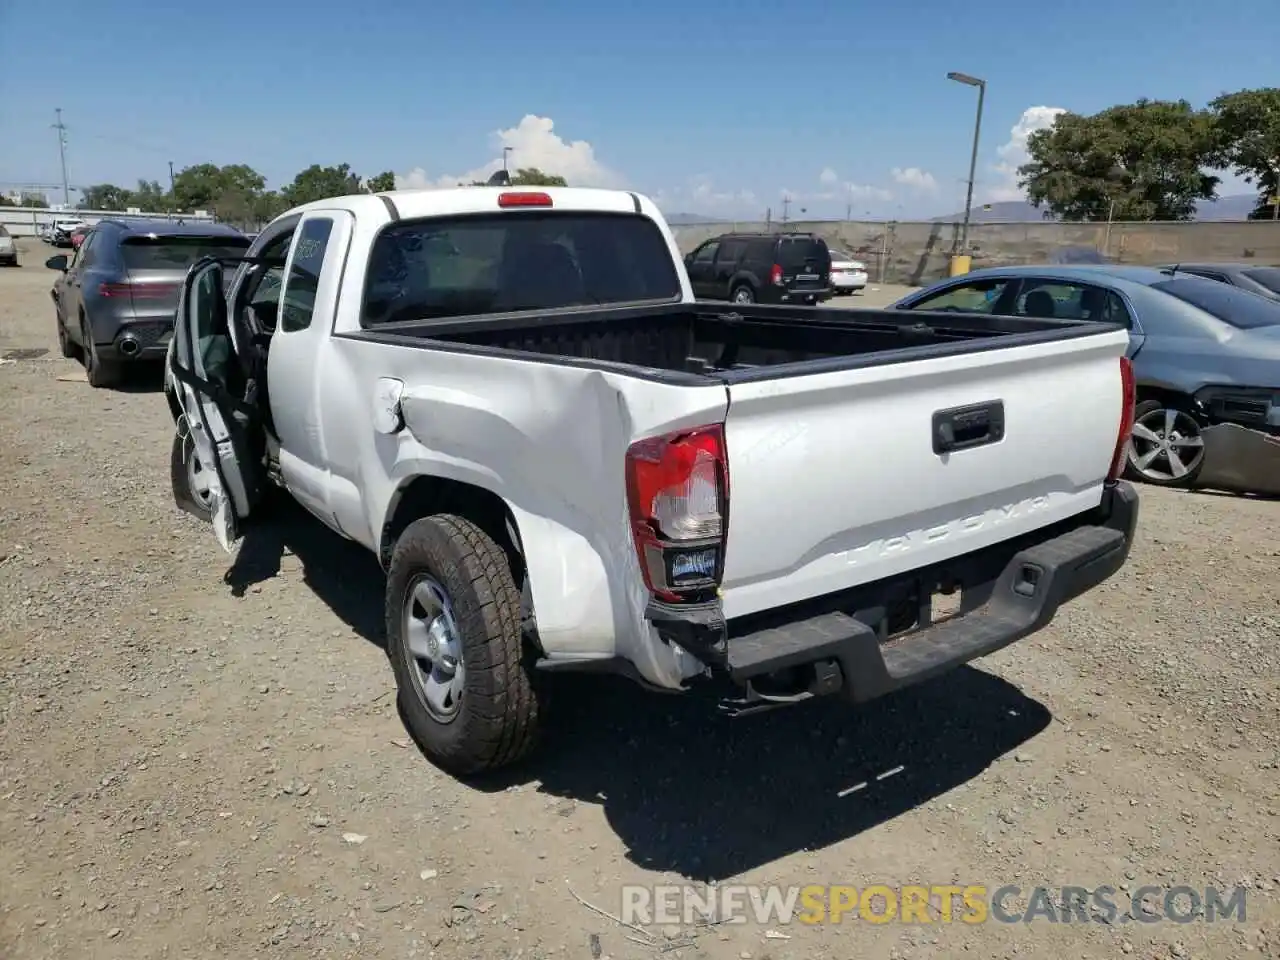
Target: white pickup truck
566,463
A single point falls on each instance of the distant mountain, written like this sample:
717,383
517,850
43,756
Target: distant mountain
1236,207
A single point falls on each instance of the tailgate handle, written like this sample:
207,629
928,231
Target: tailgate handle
962,428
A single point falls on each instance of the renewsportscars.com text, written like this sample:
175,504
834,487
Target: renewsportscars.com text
924,904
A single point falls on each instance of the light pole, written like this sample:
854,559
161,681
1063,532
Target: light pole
505,152
973,160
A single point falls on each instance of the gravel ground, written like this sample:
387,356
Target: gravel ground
204,761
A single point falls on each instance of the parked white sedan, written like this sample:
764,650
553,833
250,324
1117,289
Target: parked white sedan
847,274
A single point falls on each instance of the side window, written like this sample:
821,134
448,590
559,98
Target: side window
80,255
707,252
1116,312
978,297
730,251
1044,298
1071,301
300,286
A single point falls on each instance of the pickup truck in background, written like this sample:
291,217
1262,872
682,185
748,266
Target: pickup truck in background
565,463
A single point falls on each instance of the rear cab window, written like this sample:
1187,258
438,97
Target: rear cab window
500,263
176,252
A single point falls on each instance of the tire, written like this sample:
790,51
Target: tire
742,294
99,372
1155,415
497,707
65,347
184,471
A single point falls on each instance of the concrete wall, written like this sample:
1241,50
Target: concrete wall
916,253
28,221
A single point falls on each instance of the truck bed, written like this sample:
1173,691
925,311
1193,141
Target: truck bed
693,342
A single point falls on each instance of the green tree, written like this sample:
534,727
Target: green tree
29,199
269,205
320,183
206,186
1248,128
533,177
150,196
1147,158
104,196
381,183
529,177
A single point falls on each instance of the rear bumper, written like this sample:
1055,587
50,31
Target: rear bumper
840,644
797,296
140,340
855,281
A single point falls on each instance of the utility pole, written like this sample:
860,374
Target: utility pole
973,161
505,152
171,177
786,208
62,155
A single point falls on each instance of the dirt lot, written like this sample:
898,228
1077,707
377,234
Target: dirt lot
202,758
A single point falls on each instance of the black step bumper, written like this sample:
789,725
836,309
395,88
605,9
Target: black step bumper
842,642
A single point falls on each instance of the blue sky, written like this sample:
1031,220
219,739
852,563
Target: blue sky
710,108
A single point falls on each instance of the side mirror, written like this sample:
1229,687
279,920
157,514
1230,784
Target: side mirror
57,263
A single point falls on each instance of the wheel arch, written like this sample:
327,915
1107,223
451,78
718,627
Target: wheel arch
424,495
1166,395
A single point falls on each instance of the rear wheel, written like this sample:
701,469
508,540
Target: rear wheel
1166,448
99,372
453,619
743,294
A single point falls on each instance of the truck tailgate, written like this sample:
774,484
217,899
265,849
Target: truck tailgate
834,480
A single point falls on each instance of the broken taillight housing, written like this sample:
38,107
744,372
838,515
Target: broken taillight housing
678,497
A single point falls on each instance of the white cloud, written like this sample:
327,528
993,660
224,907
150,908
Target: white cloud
701,195
915,178
842,192
534,143
828,176
1013,153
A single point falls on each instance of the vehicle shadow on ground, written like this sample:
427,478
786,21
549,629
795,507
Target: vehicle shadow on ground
686,789
708,797
342,574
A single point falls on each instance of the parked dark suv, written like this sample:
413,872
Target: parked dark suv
118,291
761,268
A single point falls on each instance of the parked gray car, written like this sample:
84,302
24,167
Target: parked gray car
1206,360
117,293
1255,277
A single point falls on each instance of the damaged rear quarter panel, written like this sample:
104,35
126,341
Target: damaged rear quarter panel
550,439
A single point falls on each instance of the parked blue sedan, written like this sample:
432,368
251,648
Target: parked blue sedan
1206,360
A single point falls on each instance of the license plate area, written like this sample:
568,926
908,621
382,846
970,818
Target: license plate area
918,605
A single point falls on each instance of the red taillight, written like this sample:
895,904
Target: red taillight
775,275
678,495
524,199
139,291
1128,397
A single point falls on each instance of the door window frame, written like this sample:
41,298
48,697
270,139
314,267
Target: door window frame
1027,284
696,258
291,261
1008,292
